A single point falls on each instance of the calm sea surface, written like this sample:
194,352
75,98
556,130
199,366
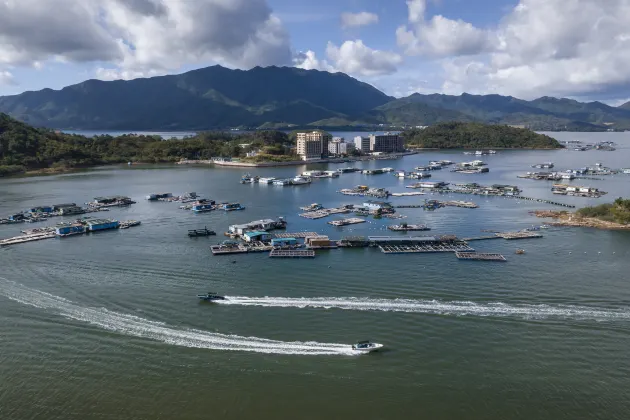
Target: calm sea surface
107,326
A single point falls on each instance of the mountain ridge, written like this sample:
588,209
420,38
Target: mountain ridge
217,97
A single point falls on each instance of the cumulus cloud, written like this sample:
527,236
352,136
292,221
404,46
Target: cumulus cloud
349,20
553,47
439,36
356,58
32,30
142,36
308,61
6,78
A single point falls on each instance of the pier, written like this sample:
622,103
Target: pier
27,238
296,235
293,253
518,235
480,256
419,244
319,214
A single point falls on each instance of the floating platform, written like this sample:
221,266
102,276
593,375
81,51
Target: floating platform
346,222
419,244
319,214
294,253
518,235
479,256
296,235
27,238
408,228
225,250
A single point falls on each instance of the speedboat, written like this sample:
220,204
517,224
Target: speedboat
211,297
366,347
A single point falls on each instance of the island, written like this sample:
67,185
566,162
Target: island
462,135
30,150
610,216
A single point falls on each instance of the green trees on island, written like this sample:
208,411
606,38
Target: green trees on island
461,135
23,147
617,212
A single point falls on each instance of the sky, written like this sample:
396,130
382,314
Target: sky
524,48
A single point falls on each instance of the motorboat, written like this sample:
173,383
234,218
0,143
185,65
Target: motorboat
300,180
366,347
211,297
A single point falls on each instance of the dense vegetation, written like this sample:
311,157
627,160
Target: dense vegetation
23,147
458,135
617,212
209,98
282,97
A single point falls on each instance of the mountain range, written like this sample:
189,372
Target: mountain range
272,97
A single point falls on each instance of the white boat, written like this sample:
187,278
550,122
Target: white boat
301,180
266,180
281,182
366,347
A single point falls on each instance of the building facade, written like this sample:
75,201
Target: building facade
338,146
362,144
386,143
313,145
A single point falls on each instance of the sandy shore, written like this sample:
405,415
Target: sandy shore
564,218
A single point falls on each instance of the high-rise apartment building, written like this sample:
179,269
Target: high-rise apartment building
313,145
386,143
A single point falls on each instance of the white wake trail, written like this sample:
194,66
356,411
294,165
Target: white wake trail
458,308
140,327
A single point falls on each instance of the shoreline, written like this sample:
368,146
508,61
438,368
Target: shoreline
563,218
291,162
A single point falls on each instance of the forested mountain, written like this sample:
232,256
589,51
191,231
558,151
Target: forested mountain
280,97
212,97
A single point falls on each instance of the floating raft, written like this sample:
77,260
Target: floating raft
345,222
294,253
27,238
296,235
518,235
479,256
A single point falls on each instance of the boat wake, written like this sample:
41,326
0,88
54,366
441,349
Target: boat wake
139,327
436,307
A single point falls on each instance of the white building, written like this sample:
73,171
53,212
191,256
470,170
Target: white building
313,145
338,146
362,144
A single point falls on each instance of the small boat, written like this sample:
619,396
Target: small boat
211,297
301,180
366,347
520,251
266,180
232,206
193,233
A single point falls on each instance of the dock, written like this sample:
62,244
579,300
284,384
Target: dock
408,228
226,250
319,214
346,222
296,235
27,238
419,244
463,204
518,235
293,253
480,256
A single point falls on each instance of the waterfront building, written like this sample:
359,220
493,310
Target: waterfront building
362,144
377,205
101,224
256,236
313,145
41,209
284,242
70,230
338,146
386,143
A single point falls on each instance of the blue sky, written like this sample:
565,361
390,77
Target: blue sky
524,48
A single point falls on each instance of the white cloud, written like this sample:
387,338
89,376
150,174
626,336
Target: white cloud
553,47
540,47
349,20
142,36
416,8
356,58
308,61
439,36
6,78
